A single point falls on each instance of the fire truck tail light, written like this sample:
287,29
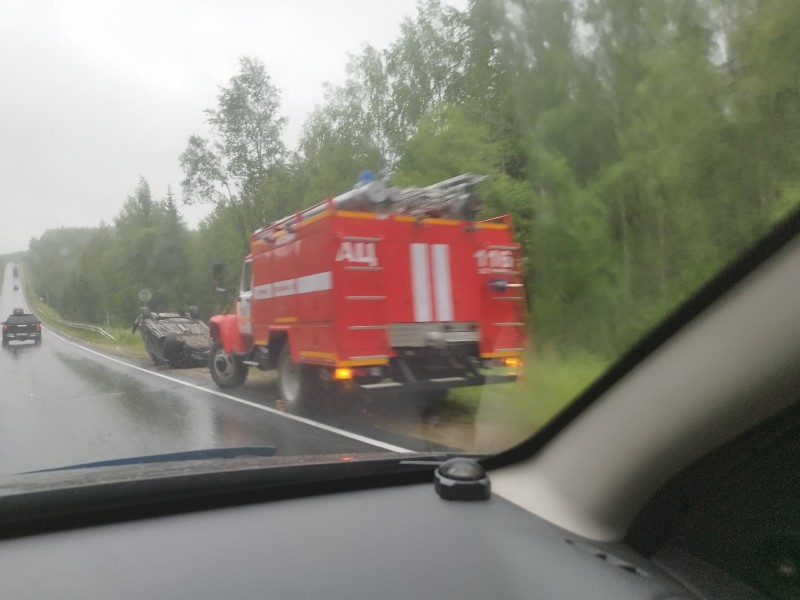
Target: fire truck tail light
515,362
343,374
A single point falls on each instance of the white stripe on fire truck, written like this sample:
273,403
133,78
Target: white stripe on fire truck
318,282
420,283
287,287
441,281
263,291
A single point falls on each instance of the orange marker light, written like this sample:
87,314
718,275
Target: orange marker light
513,361
343,374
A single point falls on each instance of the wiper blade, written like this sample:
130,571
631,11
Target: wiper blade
206,454
437,458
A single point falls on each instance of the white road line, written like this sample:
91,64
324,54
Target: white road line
317,424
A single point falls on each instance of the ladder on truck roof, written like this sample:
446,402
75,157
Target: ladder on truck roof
451,198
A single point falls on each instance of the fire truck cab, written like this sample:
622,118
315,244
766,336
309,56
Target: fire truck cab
381,290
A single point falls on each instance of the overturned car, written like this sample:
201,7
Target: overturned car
180,341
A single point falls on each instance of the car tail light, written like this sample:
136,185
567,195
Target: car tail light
38,327
5,327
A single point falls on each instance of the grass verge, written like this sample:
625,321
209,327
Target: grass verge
51,317
547,384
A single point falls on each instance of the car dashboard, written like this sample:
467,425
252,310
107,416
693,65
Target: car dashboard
390,542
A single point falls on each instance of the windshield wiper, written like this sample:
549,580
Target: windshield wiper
206,454
437,458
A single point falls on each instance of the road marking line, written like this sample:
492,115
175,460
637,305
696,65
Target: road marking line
329,428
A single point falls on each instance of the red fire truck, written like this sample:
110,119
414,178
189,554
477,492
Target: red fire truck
383,290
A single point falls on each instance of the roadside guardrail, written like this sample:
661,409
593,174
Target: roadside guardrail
86,327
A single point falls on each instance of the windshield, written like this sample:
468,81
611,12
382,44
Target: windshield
333,231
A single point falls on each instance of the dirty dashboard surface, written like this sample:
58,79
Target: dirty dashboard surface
398,542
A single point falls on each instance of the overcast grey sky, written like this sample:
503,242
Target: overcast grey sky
94,94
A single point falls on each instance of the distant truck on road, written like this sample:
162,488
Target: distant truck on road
16,271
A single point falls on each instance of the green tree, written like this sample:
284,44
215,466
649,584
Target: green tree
348,132
51,259
170,273
236,166
425,67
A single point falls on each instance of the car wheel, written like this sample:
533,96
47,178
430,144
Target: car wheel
435,397
194,313
37,342
298,384
146,313
227,370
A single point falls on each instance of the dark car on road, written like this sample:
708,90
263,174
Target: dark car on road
180,341
21,327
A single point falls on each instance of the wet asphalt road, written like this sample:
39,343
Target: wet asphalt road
64,404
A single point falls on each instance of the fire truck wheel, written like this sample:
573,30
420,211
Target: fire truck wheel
228,371
436,396
297,384
431,399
